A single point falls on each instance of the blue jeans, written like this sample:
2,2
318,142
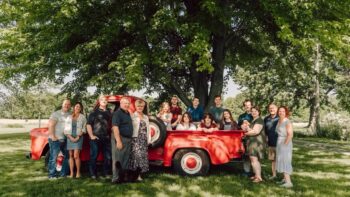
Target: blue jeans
55,148
104,144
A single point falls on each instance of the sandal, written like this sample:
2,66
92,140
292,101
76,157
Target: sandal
257,180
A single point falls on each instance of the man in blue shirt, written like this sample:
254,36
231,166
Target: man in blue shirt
247,105
271,122
196,111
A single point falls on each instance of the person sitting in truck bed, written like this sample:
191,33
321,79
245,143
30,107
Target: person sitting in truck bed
165,115
207,125
227,122
196,111
186,123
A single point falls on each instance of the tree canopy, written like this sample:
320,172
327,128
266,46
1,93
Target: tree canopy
169,47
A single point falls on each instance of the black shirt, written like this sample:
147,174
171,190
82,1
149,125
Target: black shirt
270,130
122,120
100,122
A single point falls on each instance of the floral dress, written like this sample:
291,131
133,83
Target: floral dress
139,150
256,143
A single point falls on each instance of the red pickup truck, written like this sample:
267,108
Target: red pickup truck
189,152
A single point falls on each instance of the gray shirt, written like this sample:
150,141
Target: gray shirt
63,123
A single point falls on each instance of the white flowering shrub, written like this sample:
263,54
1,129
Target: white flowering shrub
335,126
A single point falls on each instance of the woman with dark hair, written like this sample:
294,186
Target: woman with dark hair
284,146
227,122
75,138
255,143
186,123
207,125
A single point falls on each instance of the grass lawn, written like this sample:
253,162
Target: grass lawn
322,168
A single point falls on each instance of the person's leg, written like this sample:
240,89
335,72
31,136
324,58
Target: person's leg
71,163
272,157
107,156
253,165
287,178
256,167
288,183
273,168
246,166
124,156
246,160
115,168
77,161
65,165
93,157
54,150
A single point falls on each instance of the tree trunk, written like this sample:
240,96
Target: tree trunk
200,83
217,78
314,120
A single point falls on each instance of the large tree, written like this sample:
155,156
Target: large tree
177,47
171,47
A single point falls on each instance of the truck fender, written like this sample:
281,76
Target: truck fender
39,143
218,151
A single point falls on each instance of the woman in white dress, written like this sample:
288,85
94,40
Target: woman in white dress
284,146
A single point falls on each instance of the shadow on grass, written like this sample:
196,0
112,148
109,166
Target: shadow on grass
315,175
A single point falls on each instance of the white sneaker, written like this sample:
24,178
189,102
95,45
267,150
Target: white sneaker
281,182
287,185
139,178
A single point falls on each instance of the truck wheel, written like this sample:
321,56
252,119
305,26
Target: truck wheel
158,132
191,162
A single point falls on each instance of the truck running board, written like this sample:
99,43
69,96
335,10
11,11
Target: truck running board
156,163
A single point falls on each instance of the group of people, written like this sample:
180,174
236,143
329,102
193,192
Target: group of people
124,137
217,117
274,131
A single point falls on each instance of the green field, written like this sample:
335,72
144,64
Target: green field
322,168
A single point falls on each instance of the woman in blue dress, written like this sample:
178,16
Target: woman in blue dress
75,138
284,148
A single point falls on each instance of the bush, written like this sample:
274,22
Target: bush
14,126
334,127
331,131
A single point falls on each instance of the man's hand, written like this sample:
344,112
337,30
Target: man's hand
119,145
93,137
54,138
76,139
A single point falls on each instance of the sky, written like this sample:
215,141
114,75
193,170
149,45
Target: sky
232,90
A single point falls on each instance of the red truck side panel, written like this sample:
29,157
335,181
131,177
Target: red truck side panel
221,146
